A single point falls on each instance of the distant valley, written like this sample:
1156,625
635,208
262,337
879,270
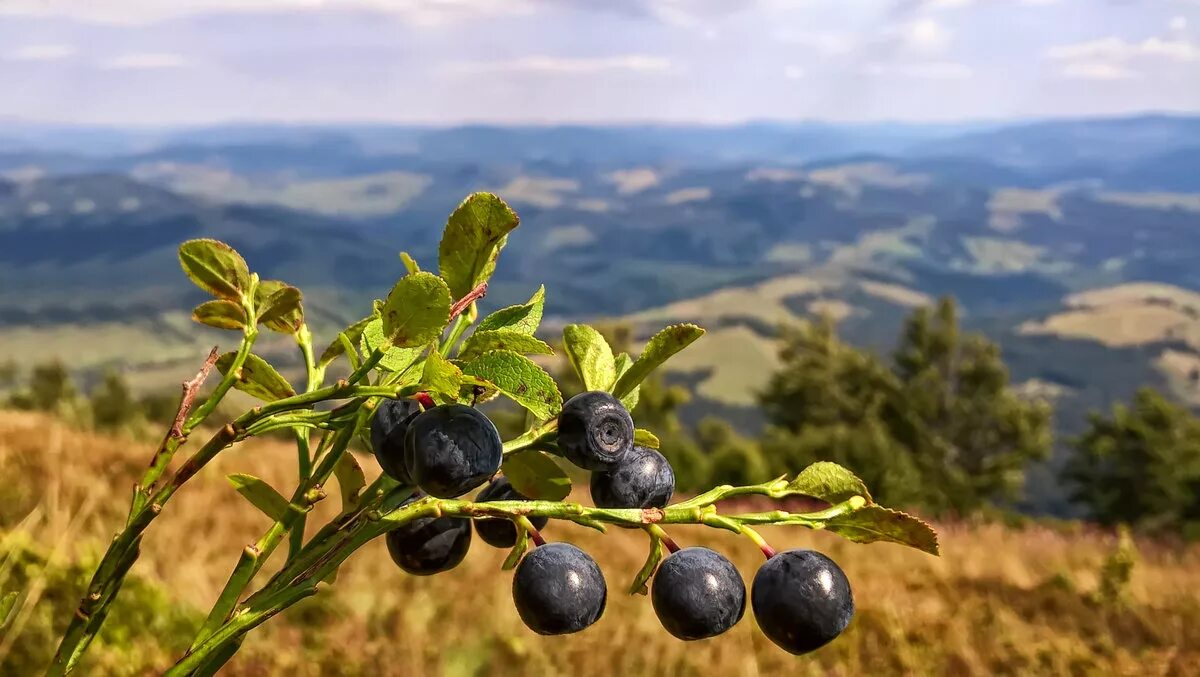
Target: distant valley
1074,243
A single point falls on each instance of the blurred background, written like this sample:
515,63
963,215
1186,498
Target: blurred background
953,245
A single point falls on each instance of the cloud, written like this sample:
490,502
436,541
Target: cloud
639,63
825,43
921,35
1178,23
793,72
150,11
922,70
1096,70
144,61
1120,50
49,52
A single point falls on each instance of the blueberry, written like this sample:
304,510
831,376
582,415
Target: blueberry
429,545
558,589
697,593
643,479
801,600
594,431
451,449
391,421
499,532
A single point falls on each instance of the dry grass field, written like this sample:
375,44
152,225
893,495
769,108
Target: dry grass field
1001,599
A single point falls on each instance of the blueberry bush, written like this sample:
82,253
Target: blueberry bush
418,365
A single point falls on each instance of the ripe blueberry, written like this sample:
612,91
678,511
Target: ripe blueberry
451,449
429,545
391,421
643,479
801,600
499,532
697,593
594,430
558,589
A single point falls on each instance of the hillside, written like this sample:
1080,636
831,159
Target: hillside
737,227
999,600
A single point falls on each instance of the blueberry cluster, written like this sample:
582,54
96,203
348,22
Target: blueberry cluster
801,599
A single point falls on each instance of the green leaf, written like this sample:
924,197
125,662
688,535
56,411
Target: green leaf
829,482
336,348
278,306
475,233
876,523
260,494
518,550
638,586
645,438
257,378
220,313
591,356
441,377
215,267
350,480
416,311
524,318
520,379
535,475
395,359
630,399
410,264
7,602
661,347
502,339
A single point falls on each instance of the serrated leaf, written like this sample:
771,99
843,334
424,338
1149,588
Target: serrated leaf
829,482
520,379
524,318
410,264
336,348
257,378
395,359
874,523
416,311
623,362
645,438
220,313
279,306
350,480
442,377
660,348
215,267
474,235
502,339
591,356
261,495
535,475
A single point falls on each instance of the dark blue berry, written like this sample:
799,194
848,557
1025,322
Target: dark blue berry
643,479
388,427
697,593
801,600
594,431
451,449
499,532
429,545
558,589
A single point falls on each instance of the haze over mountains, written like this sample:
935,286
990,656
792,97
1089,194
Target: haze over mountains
1075,243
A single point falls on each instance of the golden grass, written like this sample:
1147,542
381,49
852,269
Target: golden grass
999,601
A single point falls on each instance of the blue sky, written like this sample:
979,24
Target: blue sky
519,61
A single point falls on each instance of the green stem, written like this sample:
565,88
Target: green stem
303,453
460,326
254,556
323,556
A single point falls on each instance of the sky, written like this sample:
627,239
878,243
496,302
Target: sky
171,62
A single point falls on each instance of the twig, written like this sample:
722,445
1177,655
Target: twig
465,302
190,389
